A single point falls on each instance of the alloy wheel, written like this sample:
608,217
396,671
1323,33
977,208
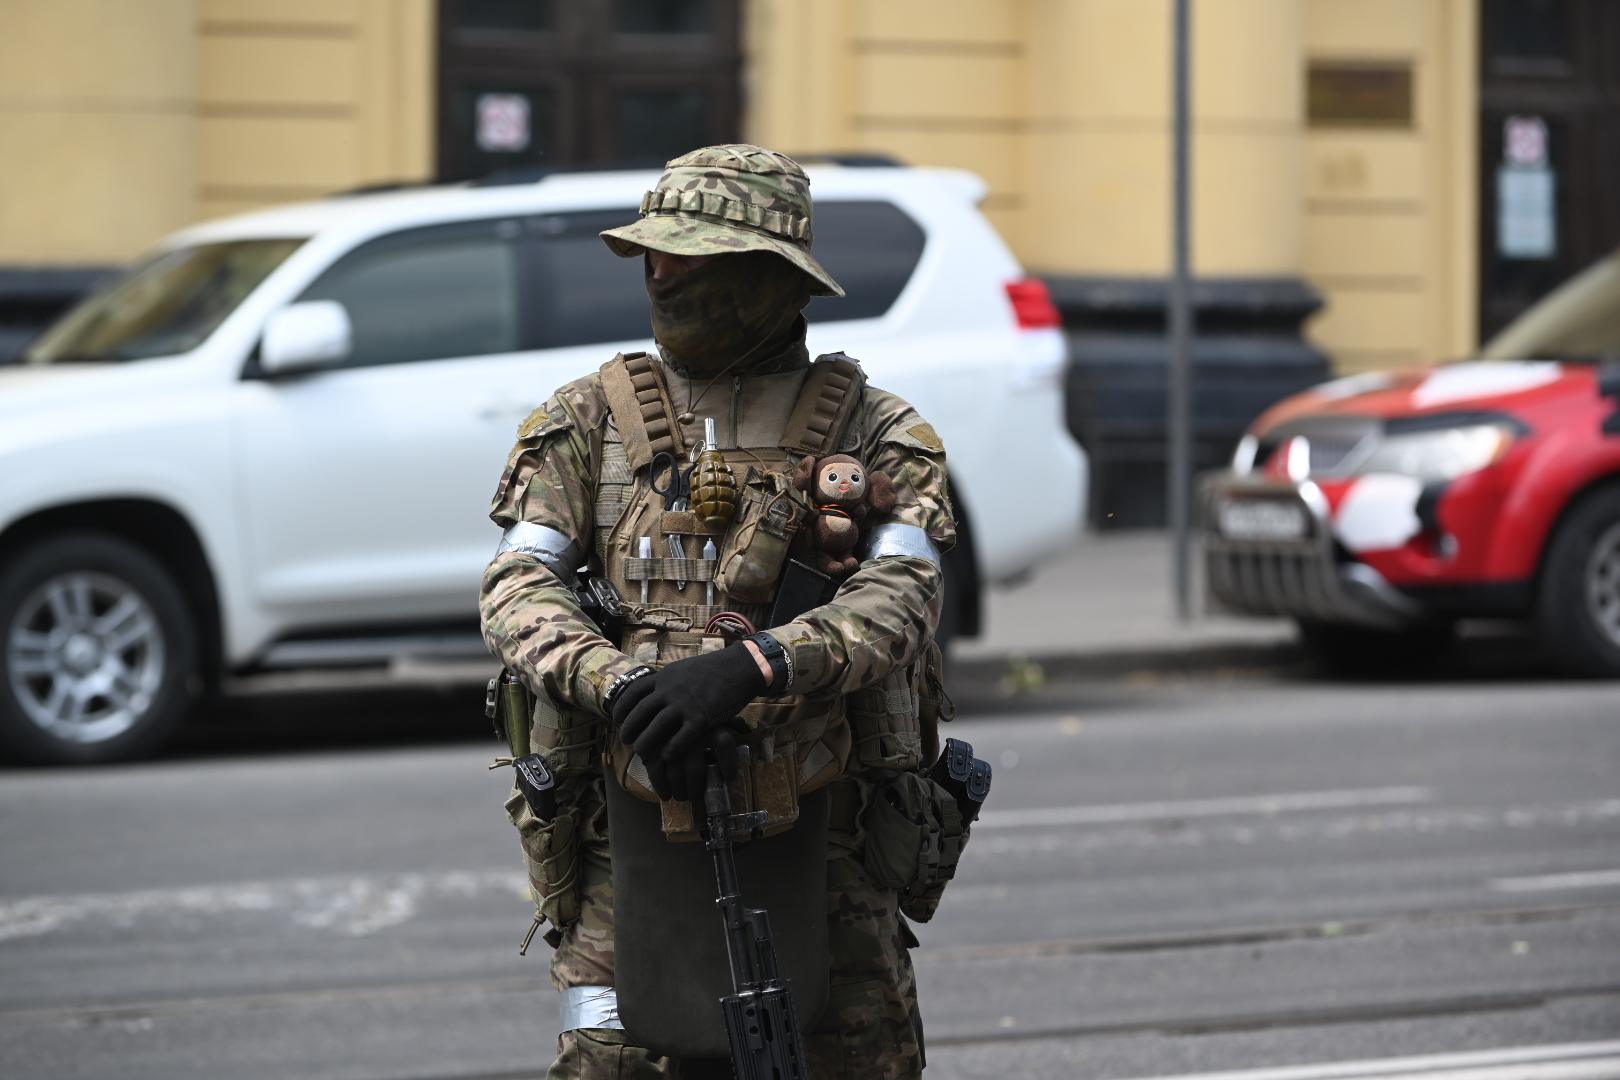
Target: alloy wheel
85,653
1603,583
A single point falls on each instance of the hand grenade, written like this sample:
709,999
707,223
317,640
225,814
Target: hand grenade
714,488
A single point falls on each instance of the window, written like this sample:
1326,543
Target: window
662,16
1528,37
1358,95
581,293
658,127
520,15
166,305
429,294
871,249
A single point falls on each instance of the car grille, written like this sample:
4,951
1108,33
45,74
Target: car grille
1272,579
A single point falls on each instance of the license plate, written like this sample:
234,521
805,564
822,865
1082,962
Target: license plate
1262,519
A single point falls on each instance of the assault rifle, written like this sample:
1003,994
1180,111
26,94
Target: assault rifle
762,1017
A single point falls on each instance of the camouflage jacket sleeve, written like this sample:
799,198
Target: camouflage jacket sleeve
885,613
530,619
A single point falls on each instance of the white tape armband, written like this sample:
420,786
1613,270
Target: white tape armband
589,1007
894,539
557,552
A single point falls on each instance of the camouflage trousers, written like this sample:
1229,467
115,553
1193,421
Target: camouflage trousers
869,1030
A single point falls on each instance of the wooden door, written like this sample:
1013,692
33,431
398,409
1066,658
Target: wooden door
1549,147
526,85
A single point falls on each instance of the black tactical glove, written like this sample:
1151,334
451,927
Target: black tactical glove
669,713
687,776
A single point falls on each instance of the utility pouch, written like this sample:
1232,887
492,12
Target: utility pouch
508,704
886,720
551,856
914,840
570,741
756,544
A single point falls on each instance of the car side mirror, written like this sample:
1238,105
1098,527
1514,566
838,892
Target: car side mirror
307,335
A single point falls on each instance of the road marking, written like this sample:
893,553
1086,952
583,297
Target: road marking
1371,1012
1566,1061
1582,879
146,1010
1255,935
352,905
1293,802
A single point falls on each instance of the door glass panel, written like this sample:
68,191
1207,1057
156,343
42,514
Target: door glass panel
871,249
658,127
530,15
428,294
1529,30
663,16
582,293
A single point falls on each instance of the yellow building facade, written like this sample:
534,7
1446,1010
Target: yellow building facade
1064,107
121,120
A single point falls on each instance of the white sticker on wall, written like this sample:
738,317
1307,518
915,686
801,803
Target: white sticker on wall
503,123
1526,192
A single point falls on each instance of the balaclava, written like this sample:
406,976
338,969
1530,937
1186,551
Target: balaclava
740,309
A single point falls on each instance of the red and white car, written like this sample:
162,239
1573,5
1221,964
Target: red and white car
1379,509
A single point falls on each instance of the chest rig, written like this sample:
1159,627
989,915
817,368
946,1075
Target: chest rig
798,742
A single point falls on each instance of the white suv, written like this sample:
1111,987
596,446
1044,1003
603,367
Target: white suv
272,442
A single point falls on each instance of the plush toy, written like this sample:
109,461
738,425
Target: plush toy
842,492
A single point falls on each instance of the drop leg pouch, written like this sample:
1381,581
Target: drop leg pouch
670,964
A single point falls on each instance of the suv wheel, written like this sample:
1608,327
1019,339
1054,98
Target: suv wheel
97,654
1363,652
1578,607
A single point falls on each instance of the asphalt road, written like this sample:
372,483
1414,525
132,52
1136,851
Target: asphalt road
1172,879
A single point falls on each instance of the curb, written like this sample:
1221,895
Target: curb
1016,682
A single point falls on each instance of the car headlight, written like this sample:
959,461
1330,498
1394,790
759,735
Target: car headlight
1441,454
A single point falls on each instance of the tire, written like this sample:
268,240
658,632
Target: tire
1578,603
97,651
1361,652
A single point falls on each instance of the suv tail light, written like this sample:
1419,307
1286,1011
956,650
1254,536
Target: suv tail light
1032,303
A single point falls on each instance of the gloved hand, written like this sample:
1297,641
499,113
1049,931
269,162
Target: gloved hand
687,776
668,713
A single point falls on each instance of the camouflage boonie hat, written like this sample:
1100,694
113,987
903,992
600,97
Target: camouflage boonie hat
724,199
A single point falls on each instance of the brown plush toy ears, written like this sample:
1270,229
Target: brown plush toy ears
880,490
804,473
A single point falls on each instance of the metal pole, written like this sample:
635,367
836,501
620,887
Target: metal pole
1179,420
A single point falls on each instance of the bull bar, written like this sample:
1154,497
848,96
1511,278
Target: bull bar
1309,578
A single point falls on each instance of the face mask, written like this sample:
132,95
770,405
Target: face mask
709,317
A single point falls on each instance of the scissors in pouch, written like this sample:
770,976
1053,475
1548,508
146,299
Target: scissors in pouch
677,493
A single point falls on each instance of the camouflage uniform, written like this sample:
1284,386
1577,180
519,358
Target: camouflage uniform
880,620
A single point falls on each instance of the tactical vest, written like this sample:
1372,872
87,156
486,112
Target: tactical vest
798,742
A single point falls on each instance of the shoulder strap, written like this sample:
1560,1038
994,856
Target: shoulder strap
831,392
640,404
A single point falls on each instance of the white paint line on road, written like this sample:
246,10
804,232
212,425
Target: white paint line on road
352,905
1563,1061
1582,879
1295,802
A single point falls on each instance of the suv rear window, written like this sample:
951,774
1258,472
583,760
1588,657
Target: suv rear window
871,249
577,292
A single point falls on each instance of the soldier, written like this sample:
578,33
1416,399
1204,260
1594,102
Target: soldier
834,702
